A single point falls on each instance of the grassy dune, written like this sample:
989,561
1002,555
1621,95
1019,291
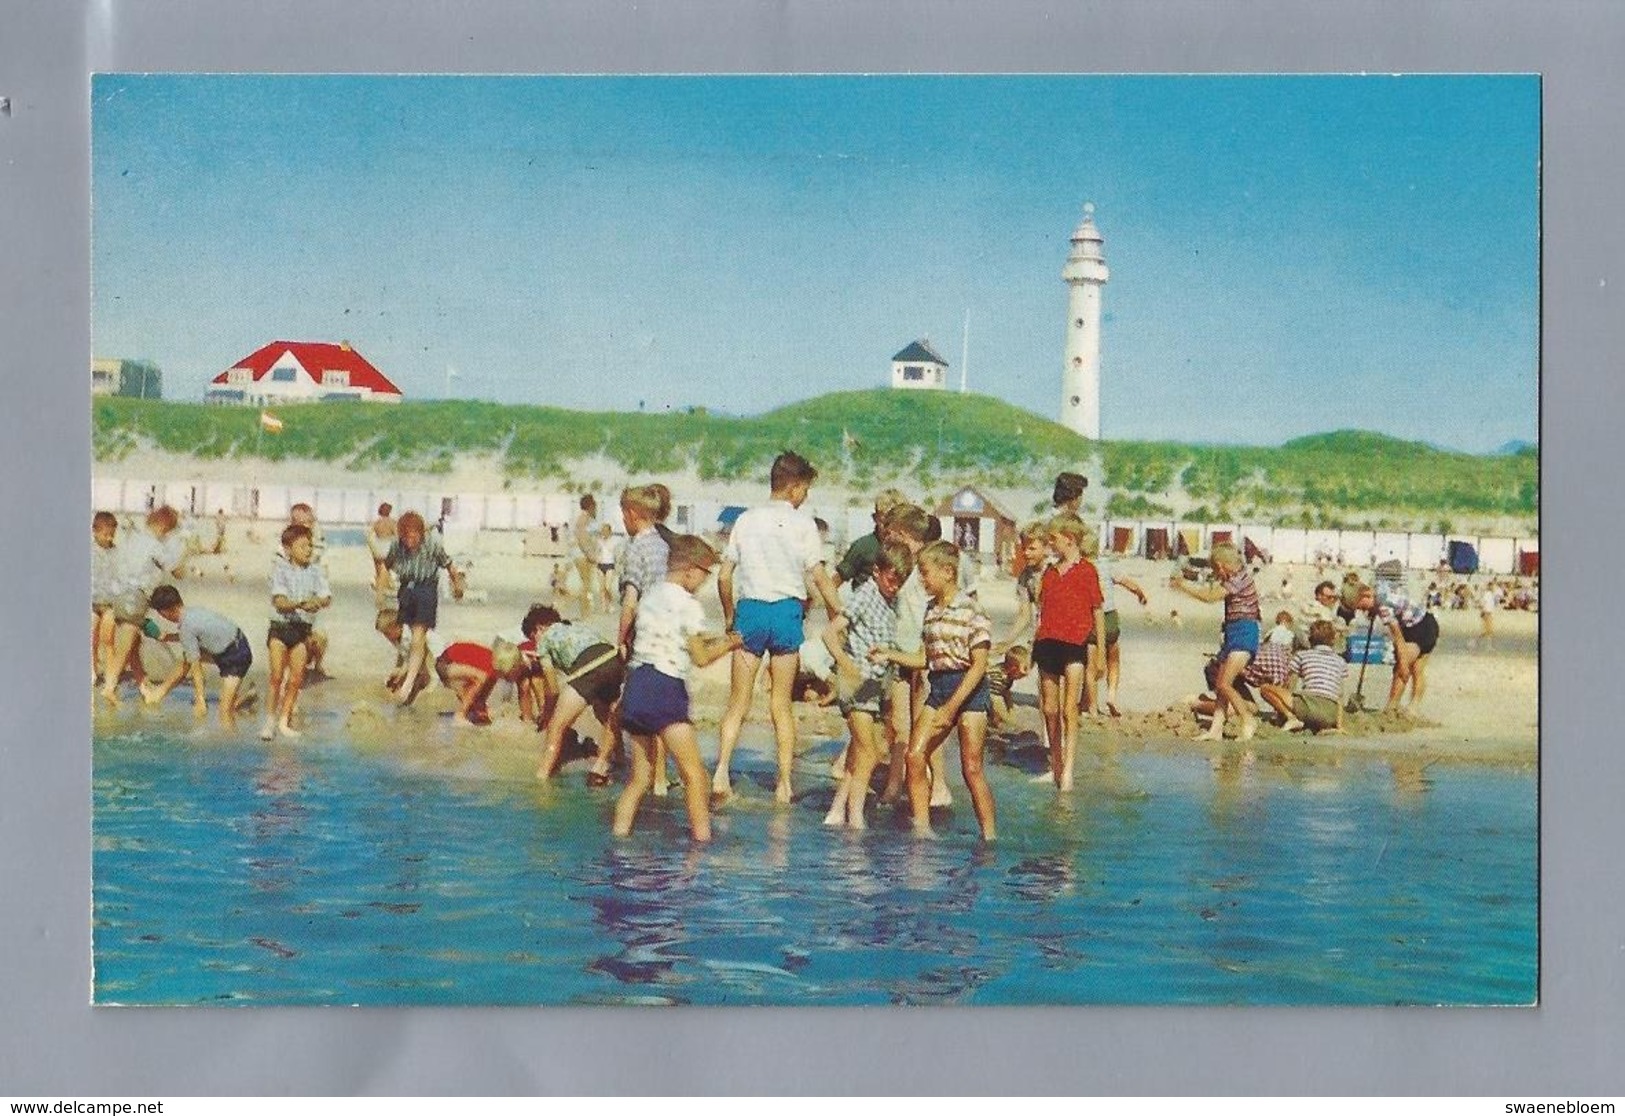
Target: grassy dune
867,439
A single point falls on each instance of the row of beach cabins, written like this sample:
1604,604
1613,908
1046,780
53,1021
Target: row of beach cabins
537,524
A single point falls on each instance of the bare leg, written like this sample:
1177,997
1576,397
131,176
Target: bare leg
279,666
228,701
741,684
865,756
662,783
124,641
1049,703
897,741
1224,687
781,671
1114,669
290,690
1071,683
415,662
569,706
637,784
684,747
927,738
972,735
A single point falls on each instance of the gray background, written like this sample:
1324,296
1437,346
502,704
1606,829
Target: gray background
52,1043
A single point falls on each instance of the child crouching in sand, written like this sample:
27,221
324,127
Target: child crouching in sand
472,670
957,636
582,670
669,641
204,634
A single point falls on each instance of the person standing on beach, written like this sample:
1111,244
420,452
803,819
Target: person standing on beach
145,561
417,558
104,591
380,536
299,591
584,536
1242,613
1412,628
582,672
858,563
957,636
670,641
771,552
1070,611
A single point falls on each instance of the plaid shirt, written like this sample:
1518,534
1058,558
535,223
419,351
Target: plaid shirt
643,566
952,631
871,623
422,564
297,583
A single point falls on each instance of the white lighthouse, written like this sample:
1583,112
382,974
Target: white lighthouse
1085,274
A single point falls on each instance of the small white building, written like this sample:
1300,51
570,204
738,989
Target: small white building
302,372
919,367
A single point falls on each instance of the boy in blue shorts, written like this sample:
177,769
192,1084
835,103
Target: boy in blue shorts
771,551
1240,637
957,637
204,635
669,641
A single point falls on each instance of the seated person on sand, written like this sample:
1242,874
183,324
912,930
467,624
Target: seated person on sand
1014,665
472,670
1270,667
1321,674
205,636
582,670
1412,628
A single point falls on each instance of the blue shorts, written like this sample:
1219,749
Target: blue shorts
1239,635
235,660
770,627
945,682
418,603
652,701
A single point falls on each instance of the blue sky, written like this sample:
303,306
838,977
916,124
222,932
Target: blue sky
1288,255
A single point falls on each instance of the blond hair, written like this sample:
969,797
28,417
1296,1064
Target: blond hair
940,554
642,498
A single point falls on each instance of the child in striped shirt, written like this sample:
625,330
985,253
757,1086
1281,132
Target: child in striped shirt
1240,634
1322,672
957,636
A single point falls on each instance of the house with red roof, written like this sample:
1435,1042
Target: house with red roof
302,372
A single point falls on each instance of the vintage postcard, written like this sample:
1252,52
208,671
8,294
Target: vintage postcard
815,540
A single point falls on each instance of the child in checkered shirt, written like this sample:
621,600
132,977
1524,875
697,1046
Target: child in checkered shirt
957,637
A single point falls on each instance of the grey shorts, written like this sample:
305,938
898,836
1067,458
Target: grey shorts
873,696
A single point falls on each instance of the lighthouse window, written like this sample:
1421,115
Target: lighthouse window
1078,322
1077,362
1076,400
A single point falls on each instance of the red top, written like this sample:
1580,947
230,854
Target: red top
470,654
1067,603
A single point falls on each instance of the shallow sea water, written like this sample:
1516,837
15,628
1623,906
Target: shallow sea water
237,872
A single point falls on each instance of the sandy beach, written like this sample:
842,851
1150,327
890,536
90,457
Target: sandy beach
1480,706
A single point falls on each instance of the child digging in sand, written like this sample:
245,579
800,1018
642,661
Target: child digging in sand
867,624
1321,673
204,635
298,592
472,670
670,640
957,637
582,671
1240,634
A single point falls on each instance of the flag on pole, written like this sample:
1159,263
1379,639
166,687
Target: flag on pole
270,422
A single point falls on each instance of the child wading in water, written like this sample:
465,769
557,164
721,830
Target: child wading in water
669,641
298,591
1240,636
204,634
957,637
1070,611
582,671
867,624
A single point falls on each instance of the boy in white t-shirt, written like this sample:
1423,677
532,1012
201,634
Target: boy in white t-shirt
669,640
771,551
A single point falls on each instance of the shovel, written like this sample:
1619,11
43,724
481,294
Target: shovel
1357,702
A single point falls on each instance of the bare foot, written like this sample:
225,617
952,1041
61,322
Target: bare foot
661,789
1249,728
1213,734
1292,724
268,729
941,796
781,793
110,694
286,729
